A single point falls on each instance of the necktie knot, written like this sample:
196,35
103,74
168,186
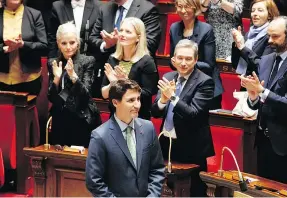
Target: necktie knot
278,59
181,80
128,129
120,17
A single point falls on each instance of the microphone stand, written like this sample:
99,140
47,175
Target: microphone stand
242,183
48,126
169,166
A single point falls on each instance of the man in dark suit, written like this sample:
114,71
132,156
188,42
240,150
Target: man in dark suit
124,158
269,96
182,101
73,10
203,35
103,38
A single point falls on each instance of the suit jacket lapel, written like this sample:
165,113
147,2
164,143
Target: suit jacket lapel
139,138
280,73
76,62
190,82
111,20
116,133
69,11
196,31
88,10
135,6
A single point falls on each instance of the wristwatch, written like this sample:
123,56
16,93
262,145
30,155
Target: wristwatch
173,97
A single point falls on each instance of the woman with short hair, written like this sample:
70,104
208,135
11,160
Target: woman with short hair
74,113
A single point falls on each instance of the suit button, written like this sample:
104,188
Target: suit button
82,112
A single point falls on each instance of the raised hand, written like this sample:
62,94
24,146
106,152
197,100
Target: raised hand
57,69
70,68
110,73
110,39
167,89
238,37
121,73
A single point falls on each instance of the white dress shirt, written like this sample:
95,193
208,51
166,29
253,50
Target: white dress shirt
78,17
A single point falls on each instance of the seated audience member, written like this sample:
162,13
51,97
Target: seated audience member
223,15
202,34
83,12
256,44
23,41
182,102
268,94
124,158
74,113
132,60
104,36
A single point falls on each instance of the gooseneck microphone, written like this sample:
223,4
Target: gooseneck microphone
169,166
242,182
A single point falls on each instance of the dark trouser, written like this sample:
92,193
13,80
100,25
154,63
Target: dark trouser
198,187
215,103
269,164
32,87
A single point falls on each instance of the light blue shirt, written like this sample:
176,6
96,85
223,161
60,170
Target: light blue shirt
123,127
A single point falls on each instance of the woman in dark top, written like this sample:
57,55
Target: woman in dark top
132,60
256,44
74,113
23,41
202,34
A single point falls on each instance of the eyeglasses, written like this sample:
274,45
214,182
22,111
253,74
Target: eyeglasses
186,7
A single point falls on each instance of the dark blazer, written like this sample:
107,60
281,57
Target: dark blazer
274,109
78,99
35,42
141,9
145,73
110,170
204,37
191,115
62,12
260,48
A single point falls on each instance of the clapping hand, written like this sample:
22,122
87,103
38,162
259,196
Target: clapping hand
253,85
110,39
121,73
110,73
167,89
70,68
57,69
13,44
238,38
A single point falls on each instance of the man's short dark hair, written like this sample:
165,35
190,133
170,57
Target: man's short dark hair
120,87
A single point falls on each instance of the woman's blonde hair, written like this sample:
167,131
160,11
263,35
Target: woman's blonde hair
193,3
141,45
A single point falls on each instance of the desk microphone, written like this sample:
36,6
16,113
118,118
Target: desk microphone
48,127
166,133
242,183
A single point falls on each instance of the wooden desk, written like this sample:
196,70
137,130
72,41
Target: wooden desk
62,174
27,130
249,128
225,186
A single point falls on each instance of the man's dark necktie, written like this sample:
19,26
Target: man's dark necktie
275,70
120,18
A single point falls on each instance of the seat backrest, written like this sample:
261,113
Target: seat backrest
8,135
2,172
246,24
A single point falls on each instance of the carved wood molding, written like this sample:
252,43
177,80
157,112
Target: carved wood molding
38,167
210,190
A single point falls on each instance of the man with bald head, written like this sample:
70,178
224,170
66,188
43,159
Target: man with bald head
268,93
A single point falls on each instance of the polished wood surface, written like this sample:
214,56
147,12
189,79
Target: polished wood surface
228,183
27,131
62,174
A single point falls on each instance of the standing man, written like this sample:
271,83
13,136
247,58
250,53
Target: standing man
183,101
268,94
124,158
104,36
84,14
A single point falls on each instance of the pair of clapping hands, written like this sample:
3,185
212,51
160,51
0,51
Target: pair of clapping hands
13,44
167,89
114,74
58,69
110,39
253,85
